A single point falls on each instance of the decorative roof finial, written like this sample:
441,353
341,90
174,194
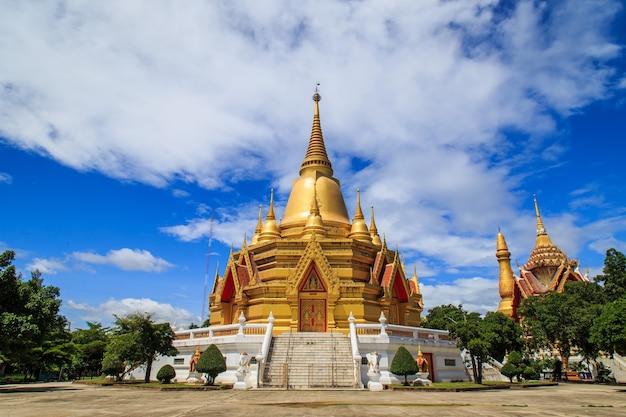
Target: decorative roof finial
542,236
317,97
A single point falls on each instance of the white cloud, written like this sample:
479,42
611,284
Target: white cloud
47,266
103,313
5,178
476,294
180,193
126,259
218,93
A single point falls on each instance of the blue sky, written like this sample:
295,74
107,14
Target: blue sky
124,125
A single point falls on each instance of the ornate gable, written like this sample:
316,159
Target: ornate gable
313,257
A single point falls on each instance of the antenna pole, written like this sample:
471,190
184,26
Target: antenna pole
206,272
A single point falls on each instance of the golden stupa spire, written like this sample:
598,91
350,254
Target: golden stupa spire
270,228
359,228
316,156
506,282
259,227
374,231
542,236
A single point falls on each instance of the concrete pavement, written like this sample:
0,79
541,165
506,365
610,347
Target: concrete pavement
74,400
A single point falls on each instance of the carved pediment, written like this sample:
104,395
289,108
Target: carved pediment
313,260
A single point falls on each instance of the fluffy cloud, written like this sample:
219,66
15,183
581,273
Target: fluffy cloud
476,294
103,313
47,266
217,93
126,259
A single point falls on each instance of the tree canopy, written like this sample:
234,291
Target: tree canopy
564,320
34,335
613,276
483,338
136,340
212,363
403,363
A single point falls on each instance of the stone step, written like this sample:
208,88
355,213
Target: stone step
312,360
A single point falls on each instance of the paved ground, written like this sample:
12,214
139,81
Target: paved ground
66,399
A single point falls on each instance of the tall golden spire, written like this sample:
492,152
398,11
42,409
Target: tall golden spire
316,170
359,228
259,227
542,236
270,228
374,231
316,156
506,281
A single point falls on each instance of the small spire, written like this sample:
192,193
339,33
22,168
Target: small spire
245,240
259,227
314,223
415,280
270,229
359,228
374,230
501,246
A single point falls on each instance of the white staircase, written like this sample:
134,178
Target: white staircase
617,365
309,360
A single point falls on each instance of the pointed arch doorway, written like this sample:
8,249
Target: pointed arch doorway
312,296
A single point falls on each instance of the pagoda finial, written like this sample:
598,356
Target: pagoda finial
374,231
542,236
316,156
259,227
245,241
359,227
270,229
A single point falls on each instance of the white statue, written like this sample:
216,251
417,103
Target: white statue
244,361
372,362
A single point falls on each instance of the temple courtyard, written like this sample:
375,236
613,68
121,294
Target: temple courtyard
67,399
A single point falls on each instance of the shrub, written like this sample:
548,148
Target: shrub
509,370
211,362
403,364
530,373
166,374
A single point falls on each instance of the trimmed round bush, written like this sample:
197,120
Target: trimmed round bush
166,374
509,370
530,373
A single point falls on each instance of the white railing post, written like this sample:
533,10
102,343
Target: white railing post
242,323
383,323
261,357
356,356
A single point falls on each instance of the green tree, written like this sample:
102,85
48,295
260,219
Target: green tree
614,275
483,338
31,329
609,328
90,344
564,320
166,374
509,370
403,363
212,363
136,340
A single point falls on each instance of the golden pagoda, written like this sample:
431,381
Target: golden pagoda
547,269
315,267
